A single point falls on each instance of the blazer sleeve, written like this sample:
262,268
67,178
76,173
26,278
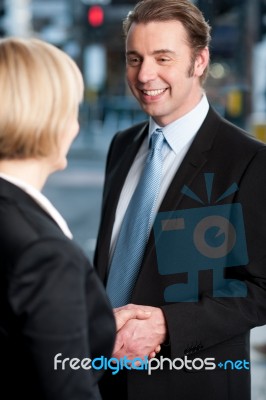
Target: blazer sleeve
213,320
47,294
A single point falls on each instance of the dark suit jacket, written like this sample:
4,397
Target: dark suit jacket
216,327
51,301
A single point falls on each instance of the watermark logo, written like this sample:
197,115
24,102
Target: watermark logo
234,365
145,364
198,239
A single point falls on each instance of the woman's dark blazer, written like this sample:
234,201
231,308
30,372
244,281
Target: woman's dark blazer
51,302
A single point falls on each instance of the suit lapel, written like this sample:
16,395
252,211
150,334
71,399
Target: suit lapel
115,182
193,162
16,195
190,168
119,173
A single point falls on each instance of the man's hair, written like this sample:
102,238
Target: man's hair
41,88
196,27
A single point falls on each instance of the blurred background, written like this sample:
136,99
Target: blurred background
90,31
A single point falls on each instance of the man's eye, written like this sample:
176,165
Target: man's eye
133,61
163,60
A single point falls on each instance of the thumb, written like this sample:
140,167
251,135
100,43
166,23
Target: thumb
122,316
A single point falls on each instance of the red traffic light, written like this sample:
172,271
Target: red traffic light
95,16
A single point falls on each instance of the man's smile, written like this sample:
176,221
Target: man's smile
155,92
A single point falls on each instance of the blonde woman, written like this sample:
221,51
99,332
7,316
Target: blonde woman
54,314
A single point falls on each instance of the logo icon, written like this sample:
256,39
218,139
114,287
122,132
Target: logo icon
211,237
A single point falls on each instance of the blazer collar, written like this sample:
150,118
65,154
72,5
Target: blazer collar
122,167
17,196
193,162
124,158
189,169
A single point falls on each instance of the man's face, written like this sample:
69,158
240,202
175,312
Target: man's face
159,70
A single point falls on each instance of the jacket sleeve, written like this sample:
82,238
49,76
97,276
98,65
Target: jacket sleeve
47,295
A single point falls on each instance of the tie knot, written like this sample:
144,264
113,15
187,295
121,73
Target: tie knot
157,139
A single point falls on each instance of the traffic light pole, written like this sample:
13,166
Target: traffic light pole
248,26
18,18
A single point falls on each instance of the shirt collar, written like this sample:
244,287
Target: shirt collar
43,202
180,132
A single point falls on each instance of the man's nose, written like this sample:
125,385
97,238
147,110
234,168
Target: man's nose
147,71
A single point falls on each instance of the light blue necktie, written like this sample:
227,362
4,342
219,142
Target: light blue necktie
136,226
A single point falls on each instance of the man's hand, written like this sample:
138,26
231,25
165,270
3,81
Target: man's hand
139,337
124,315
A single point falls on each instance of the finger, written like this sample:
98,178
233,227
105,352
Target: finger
129,306
158,349
117,348
142,314
118,344
123,316
115,310
126,307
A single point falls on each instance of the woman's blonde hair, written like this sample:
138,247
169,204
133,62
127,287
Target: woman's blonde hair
41,88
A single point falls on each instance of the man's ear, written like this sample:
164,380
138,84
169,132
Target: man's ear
201,62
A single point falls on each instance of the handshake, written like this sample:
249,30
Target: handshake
140,331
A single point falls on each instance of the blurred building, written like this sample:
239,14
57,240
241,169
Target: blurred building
91,32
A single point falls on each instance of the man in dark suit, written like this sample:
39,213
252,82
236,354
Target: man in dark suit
203,273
